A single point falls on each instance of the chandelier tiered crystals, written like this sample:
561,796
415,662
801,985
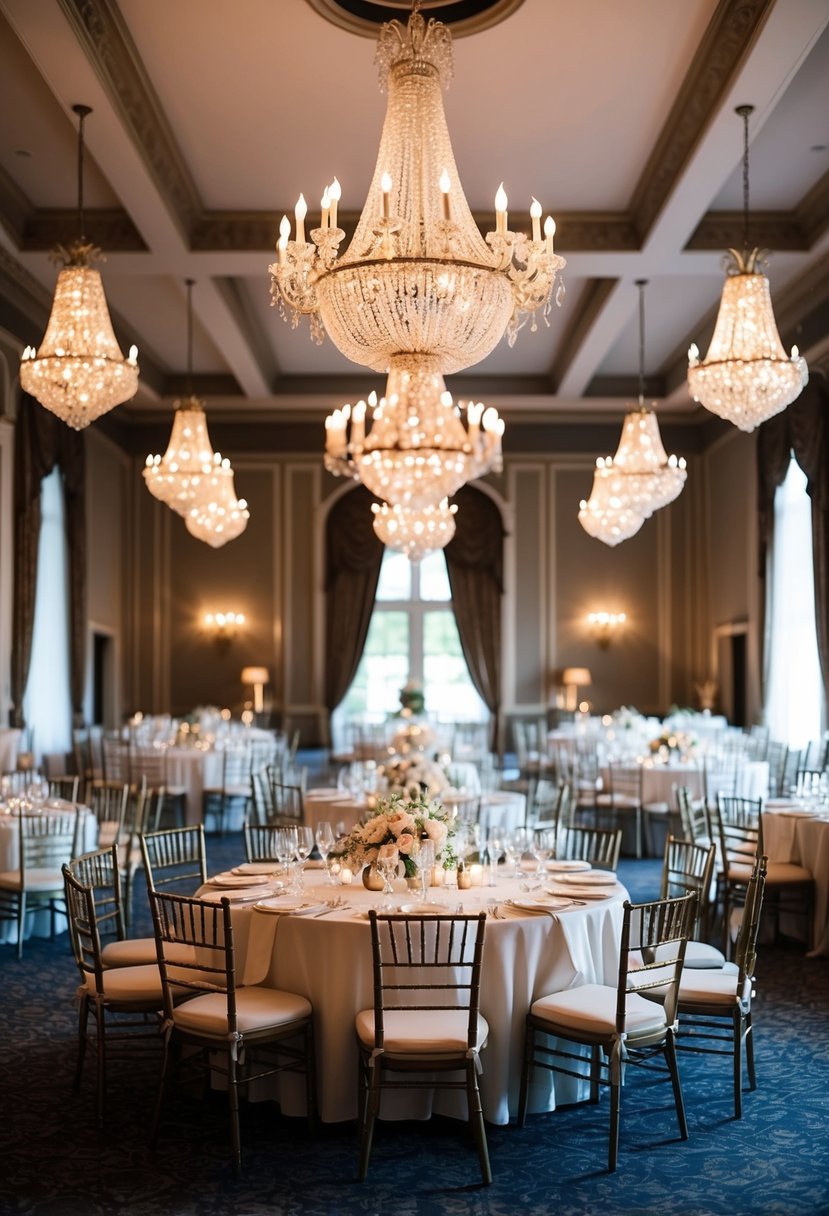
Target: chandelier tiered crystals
413,531
190,477
79,371
419,293
746,376
641,478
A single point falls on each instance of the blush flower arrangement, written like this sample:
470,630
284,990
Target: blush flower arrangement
395,831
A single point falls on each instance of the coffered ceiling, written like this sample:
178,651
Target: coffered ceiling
210,117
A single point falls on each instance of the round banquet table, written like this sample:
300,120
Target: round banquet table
801,835
38,923
328,960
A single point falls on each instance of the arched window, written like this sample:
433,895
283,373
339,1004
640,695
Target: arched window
413,637
794,689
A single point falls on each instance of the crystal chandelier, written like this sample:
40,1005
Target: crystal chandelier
607,515
218,516
79,372
641,478
418,450
412,531
190,477
417,277
746,376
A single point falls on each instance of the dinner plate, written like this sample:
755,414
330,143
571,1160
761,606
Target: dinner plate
571,890
239,895
281,904
572,867
256,867
550,903
426,909
231,879
595,878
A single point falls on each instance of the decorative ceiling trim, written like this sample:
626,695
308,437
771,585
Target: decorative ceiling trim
724,47
110,228
582,318
813,210
464,17
779,230
103,34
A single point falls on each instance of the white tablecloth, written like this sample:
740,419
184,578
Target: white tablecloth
10,738
38,923
190,771
328,960
791,835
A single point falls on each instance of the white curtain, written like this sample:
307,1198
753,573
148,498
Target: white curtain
47,702
793,685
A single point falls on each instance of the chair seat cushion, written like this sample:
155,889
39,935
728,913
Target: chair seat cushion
591,1008
426,1032
710,987
133,984
786,873
132,952
699,955
37,881
257,1008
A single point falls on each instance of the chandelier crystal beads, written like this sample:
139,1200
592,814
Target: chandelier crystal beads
415,532
79,371
218,516
746,377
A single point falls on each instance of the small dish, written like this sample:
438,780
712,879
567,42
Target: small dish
426,909
573,892
282,905
568,867
595,878
256,867
550,903
237,880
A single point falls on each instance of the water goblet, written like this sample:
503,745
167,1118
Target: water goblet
325,843
543,848
304,845
386,866
425,861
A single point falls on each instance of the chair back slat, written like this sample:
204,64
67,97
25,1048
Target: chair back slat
175,857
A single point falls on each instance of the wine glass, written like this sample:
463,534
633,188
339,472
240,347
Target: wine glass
285,846
516,844
386,866
304,845
425,861
325,842
543,848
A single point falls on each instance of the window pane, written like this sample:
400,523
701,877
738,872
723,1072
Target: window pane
434,579
450,694
395,577
384,667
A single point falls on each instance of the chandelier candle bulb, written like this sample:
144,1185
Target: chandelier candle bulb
334,194
300,212
325,204
501,211
446,186
535,216
284,236
358,426
385,188
549,233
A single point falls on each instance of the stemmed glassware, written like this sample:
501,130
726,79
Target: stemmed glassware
325,843
386,866
286,846
304,845
543,848
425,861
516,844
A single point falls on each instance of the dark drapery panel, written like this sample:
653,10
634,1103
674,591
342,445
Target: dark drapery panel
475,562
802,429
353,555
41,442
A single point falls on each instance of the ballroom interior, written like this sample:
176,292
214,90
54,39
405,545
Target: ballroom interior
633,144
274,254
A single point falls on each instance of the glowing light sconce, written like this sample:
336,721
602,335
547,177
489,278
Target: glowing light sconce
605,626
573,679
223,626
257,677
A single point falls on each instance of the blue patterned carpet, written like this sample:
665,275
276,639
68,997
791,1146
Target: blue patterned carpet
776,1160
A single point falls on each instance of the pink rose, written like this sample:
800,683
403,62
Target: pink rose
405,843
401,821
435,830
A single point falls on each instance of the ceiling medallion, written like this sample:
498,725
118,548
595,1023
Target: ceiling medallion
462,16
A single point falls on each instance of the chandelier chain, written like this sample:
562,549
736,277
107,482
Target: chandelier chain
81,112
189,383
745,113
641,284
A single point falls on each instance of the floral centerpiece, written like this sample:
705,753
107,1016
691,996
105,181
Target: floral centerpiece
414,775
672,741
412,700
396,830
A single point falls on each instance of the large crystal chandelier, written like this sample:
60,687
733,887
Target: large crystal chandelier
413,531
641,478
190,477
79,372
418,450
417,277
746,377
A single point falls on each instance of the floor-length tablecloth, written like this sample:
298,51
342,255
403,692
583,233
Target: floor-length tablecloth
795,834
38,923
328,960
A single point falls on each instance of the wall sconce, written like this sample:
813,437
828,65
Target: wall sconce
222,626
258,677
574,678
605,626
